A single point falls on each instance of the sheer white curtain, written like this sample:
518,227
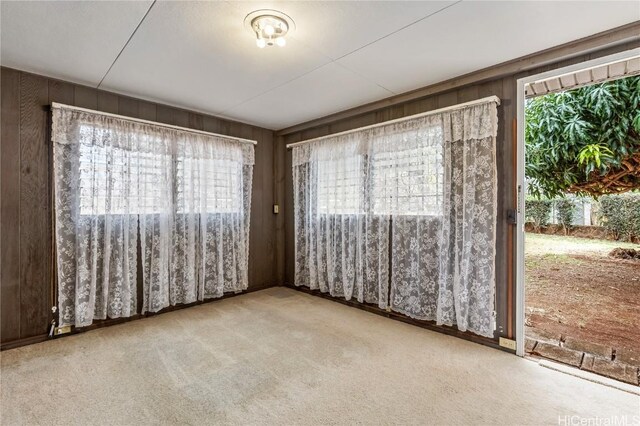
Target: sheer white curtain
186,196
444,264
341,247
427,184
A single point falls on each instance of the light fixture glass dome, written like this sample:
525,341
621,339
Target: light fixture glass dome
269,27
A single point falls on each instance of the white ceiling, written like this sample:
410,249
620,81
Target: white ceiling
199,55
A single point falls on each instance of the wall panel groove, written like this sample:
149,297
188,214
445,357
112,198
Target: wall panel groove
35,224
10,206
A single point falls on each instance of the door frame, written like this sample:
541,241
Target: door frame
520,181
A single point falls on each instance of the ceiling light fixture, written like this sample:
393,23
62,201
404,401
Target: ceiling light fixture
269,27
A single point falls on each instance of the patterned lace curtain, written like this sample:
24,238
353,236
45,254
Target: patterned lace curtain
182,198
341,246
408,209
197,247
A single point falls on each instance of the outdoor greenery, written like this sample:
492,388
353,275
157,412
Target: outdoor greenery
620,214
566,208
538,212
584,141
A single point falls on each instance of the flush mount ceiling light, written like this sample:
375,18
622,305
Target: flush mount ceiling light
269,27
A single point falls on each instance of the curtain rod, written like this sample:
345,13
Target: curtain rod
398,120
155,123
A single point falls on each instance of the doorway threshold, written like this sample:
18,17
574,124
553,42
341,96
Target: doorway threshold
583,359
585,375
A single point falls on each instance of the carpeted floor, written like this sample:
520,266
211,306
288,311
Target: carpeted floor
283,357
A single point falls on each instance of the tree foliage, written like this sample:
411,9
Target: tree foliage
585,141
566,209
538,212
620,214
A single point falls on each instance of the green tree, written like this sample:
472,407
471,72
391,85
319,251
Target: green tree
585,141
566,209
538,212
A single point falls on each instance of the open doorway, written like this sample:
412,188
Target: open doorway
579,209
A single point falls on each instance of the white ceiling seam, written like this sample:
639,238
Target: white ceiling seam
70,41
400,29
198,55
230,110
126,43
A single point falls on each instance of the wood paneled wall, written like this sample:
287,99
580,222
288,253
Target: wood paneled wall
505,88
25,215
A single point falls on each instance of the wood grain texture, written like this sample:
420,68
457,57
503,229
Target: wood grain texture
147,110
280,173
85,97
180,117
35,213
107,102
61,92
129,107
195,121
10,206
212,124
268,232
26,233
164,114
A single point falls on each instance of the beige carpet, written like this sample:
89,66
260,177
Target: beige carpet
282,357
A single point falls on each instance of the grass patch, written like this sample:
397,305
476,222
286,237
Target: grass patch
542,244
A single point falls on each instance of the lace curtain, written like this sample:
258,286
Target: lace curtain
339,249
181,198
406,210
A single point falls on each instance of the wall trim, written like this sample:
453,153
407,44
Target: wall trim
23,342
113,321
429,325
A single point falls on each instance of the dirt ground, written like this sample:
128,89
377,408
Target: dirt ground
574,289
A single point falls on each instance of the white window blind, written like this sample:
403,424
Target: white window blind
214,185
401,182
104,172
408,182
340,186
209,185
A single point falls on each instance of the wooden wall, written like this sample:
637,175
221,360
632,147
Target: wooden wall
25,215
504,87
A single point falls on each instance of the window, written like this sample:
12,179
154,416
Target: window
213,185
408,182
386,182
105,183
173,202
123,181
340,186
